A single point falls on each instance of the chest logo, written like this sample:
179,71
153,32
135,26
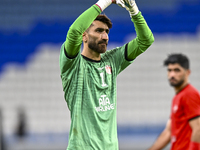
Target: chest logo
175,108
108,69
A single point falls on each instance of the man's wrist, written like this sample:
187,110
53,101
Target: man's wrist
194,146
134,10
103,4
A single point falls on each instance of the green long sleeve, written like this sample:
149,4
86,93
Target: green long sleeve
143,40
74,36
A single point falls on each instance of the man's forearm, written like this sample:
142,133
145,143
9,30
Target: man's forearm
143,40
162,141
74,36
142,30
196,136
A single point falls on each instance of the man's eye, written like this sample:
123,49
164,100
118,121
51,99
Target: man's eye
99,30
177,70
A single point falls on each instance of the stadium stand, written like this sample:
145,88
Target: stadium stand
31,33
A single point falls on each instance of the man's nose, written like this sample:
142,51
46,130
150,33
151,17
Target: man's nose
104,36
171,73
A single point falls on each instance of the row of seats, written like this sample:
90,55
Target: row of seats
144,96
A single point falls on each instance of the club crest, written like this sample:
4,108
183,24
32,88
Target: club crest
108,69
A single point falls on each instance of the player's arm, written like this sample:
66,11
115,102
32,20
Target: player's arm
163,139
74,36
143,40
195,137
144,35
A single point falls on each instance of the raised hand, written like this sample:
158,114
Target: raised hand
130,6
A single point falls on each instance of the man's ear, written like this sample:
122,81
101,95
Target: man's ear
84,37
188,72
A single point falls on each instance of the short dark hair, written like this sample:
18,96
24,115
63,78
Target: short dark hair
103,18
180,59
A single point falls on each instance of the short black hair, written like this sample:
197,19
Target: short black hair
180,59
103,18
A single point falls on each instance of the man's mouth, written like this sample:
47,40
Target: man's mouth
172,80
103,43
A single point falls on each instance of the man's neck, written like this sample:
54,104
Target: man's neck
178,89
91,54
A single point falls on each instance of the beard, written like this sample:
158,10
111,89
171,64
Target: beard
97,47
176,83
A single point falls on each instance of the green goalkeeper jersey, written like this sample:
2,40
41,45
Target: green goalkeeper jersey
90,86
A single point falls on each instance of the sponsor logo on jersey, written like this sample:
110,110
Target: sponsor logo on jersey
104,104
108,69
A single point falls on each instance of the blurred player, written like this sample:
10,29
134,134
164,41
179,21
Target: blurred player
89,76
183,127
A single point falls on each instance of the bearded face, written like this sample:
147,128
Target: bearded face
97,37
98,46
175,82
177,75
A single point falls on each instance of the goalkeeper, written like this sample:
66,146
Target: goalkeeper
89,75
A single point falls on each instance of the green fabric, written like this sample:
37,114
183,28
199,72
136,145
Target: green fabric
90,92
144,37
90,86
74,35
